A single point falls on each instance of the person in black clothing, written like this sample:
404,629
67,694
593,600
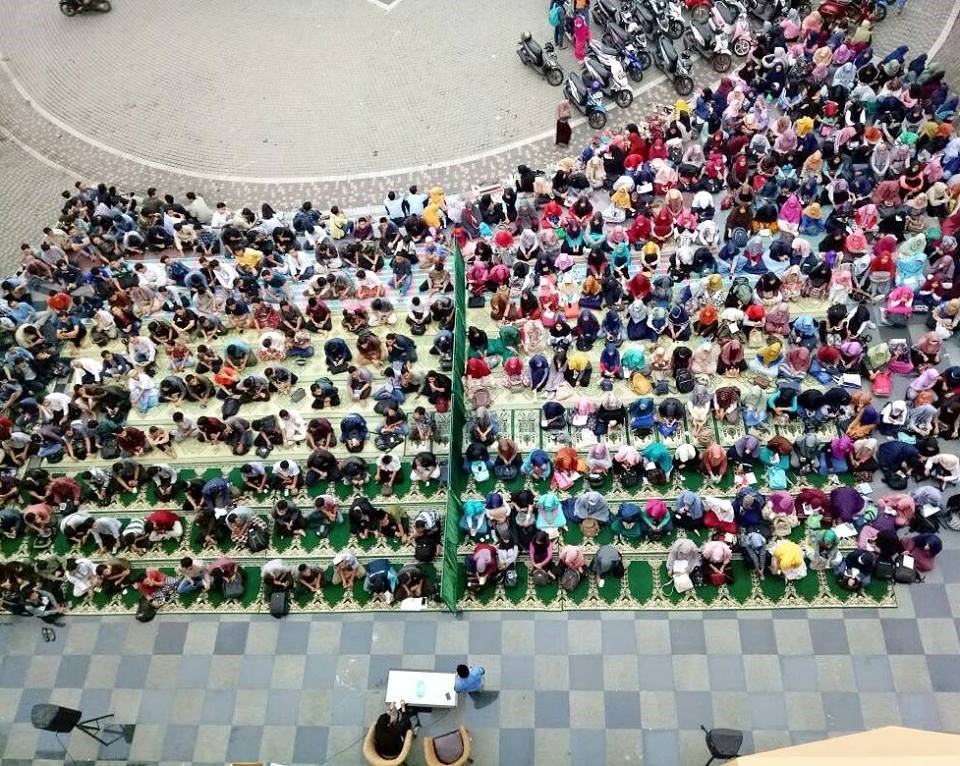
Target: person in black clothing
390,731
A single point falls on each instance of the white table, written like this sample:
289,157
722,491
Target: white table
421,688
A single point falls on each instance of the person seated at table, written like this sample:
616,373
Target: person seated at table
390,732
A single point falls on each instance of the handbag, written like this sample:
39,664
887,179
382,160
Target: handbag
883,570
232,588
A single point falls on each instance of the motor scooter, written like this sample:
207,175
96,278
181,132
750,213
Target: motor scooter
661,17
699,9
673,63
854,10
613,80
73,7
731,17
775,10
543,60
634,62
586,100
605,12
711,43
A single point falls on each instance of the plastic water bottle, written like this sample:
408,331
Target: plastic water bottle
421,688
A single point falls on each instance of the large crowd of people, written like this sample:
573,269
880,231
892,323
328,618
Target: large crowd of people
693,304
643,297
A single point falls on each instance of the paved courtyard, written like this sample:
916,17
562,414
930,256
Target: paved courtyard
349,99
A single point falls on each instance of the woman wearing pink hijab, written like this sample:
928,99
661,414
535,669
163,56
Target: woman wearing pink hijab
581,36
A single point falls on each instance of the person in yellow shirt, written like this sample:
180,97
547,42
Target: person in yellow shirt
578,369
250,259
787,560
433,215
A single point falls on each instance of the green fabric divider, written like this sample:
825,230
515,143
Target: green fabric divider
453,579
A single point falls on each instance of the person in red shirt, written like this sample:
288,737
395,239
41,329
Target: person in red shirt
62,489
59,301
163,525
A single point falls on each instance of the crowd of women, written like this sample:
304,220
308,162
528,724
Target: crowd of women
722,272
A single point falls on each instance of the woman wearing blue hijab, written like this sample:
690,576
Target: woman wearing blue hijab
587,330
539,372
612,327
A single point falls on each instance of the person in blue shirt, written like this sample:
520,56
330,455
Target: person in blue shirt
469,679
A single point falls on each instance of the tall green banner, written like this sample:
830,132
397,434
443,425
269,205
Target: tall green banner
450,583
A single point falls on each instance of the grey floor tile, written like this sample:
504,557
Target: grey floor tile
552,710
829,637
380,667
319,672
873,673
618,637
310,746
655,673
244,744
421,638
803,737
587,746
586,672
293,638
283,706
919,711
218,706
485,638
686,637
622,710
111,637
930,601
517,747
171,637
757,637
516,672
132,673
350,708
726,673
356,637
902,637
842,711
256,672
768,711
155,706
550,637
194,671
179,743
944,672
13,671
231,638
694,709
482,710
661,747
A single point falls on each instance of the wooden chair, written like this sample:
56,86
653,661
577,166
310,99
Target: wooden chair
373,758
450,749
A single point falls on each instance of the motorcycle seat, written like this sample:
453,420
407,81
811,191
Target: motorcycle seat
534,49
577,85
618,33
705,30
606,50
610,7
603,73
666,45
727,13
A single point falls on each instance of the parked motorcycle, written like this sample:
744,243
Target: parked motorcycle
774,10
613,80
673,63
585,99
73,7
661,17
542,60
699,9
610,11
634,62
731,17
854,10
711,44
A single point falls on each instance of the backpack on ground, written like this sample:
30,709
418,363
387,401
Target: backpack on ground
279,604
257,540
